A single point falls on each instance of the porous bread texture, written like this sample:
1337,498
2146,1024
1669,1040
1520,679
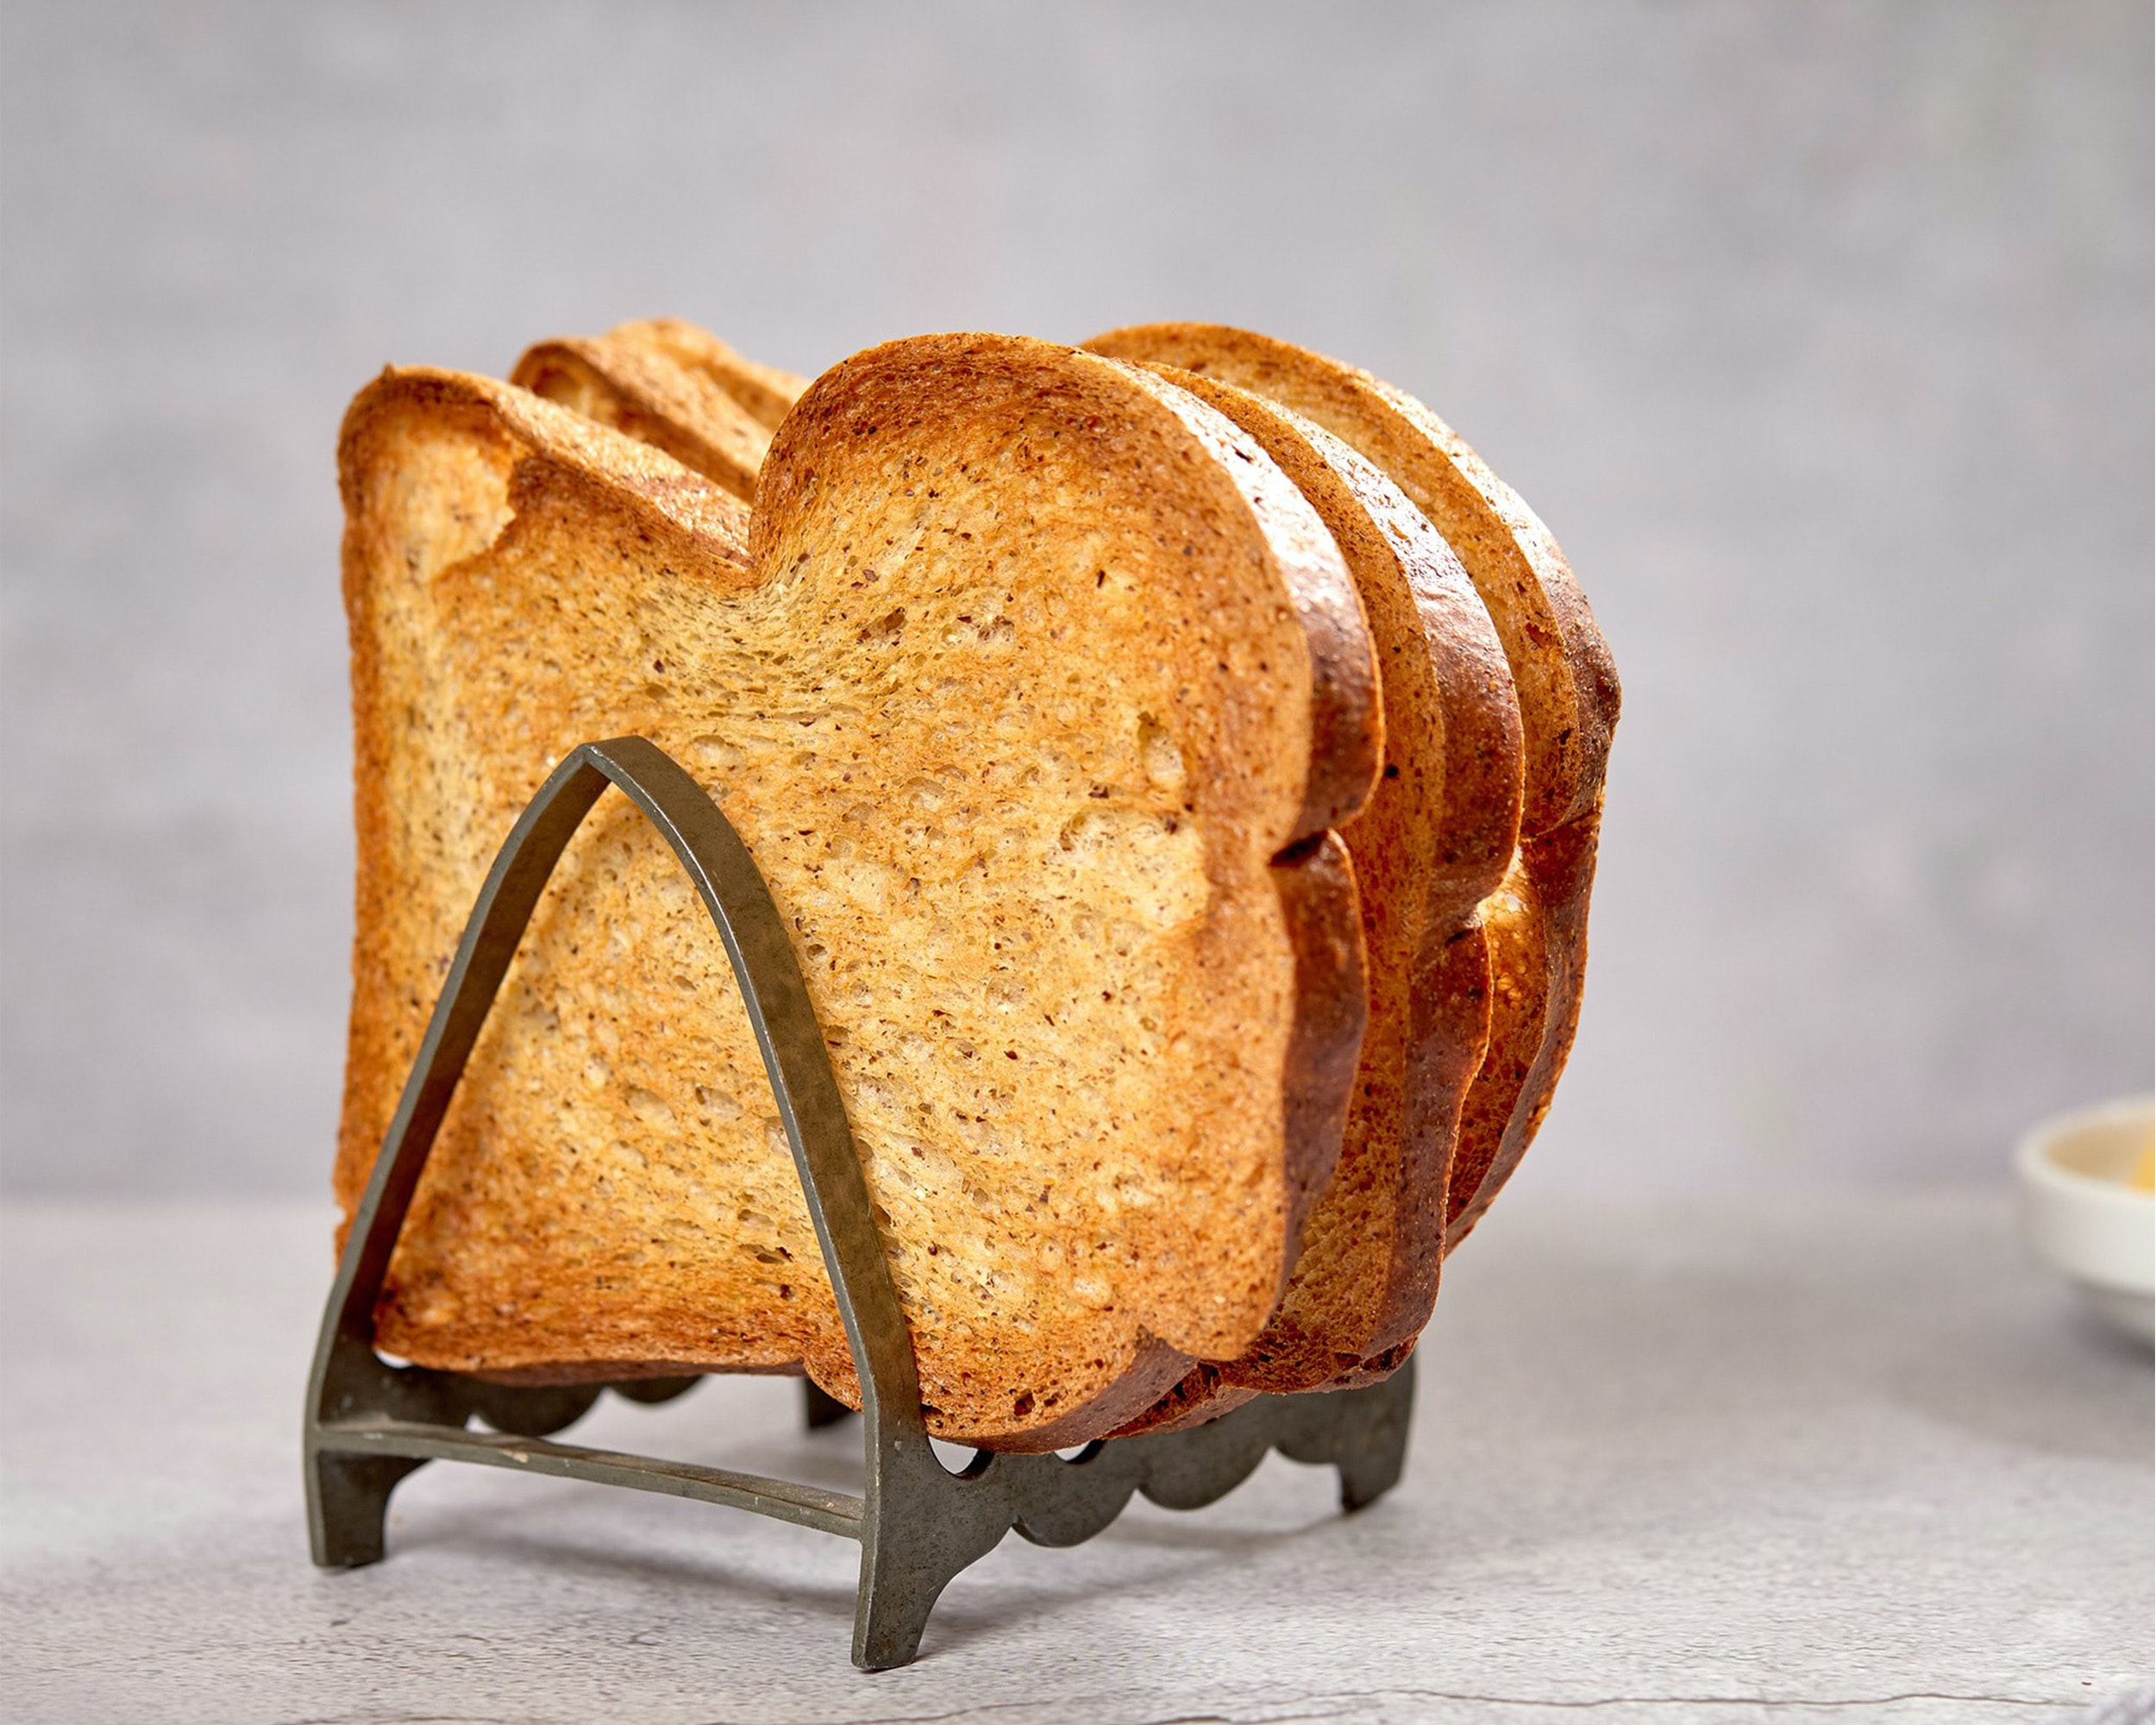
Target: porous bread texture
1367,1277
767,392
1018,706
1434,842
1430,845
1569,700
634,385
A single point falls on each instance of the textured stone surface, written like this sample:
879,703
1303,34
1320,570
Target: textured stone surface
1847,1460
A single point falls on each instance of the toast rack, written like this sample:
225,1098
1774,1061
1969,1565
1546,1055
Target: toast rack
369,1423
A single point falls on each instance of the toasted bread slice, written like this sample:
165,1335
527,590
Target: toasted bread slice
1436,841
1036,698
1568,698
765,392
627,380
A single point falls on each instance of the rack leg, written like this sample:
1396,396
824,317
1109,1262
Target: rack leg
1365,1479
348,1504
817,1409
1373,1446
921,1532
891,1614
900,1582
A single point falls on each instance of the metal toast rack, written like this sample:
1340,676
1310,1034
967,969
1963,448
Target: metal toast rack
369,1423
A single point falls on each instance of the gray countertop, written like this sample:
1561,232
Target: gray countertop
1846,1458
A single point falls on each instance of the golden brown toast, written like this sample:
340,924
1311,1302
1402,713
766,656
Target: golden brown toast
1568,698
624,379
1435,841
1468,985
1037,692
765,392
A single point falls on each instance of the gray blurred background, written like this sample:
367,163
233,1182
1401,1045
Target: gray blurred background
1820,334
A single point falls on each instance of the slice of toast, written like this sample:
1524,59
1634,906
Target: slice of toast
765,392
1036,698
1568,698
627,379
1434,843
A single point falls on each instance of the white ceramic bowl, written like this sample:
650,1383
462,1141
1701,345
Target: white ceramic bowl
2083,1218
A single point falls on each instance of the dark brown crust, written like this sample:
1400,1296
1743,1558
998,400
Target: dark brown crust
1578,753
1201,1397
1452,980
1561,866
1347,716
1316,883
1153,1369
553,1374
1377,1368
1517,924
1347,745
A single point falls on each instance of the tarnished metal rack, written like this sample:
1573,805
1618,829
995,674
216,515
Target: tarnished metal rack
369,1423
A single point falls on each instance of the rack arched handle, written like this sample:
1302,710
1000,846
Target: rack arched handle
773,989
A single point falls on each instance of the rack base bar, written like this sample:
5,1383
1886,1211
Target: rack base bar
833,1512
